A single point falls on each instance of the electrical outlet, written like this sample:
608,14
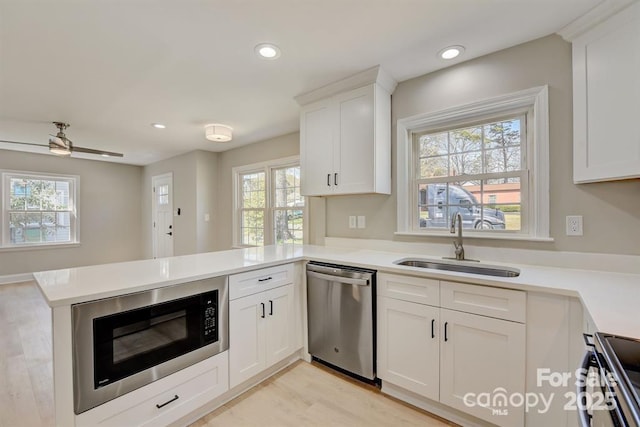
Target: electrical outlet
352,221
362,221
574,225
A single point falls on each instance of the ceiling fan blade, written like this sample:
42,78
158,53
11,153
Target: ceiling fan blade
22,143
92,151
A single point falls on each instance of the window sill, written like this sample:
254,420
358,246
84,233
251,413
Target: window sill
39,246
475,236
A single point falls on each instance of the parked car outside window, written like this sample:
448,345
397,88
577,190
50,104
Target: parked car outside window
437,206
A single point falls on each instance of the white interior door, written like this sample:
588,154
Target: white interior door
162,193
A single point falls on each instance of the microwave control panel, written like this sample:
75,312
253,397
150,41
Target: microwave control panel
210,317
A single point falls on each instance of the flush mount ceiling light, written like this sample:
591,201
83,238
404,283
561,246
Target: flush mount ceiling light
451,52
158,125
267,51
218,133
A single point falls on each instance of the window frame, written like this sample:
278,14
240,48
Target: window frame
268,167
74,202
535,210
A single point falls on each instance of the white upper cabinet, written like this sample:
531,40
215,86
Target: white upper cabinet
606,98
345,136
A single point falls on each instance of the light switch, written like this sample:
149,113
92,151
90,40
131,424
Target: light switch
206,217
352,221
362,221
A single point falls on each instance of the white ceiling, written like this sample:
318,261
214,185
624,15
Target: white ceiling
113,67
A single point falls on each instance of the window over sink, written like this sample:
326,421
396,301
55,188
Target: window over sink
487,161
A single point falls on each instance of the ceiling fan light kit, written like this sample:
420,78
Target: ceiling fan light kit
60,145
218,132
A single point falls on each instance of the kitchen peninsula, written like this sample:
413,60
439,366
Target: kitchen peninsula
603,297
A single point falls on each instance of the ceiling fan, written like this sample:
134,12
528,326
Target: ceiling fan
60,145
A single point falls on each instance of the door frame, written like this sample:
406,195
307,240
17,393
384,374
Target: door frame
154,206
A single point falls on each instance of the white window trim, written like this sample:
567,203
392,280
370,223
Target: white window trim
536,98
4,229
267,167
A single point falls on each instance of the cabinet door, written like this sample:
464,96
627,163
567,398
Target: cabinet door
246,338
280,328
408,345
482,355
354,160
606,99
317,134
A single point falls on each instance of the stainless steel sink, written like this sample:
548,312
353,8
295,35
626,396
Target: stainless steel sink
485,270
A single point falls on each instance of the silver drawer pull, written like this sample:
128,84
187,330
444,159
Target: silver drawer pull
265,279
167,402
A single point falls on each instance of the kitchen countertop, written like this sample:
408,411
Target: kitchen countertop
609,298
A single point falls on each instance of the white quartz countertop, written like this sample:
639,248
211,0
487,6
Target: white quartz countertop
611,299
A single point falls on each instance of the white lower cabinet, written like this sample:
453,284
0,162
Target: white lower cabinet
261,331
456,358
409,346
165,400
482,363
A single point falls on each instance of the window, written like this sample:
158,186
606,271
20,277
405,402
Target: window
487,162
269,207
38,209
464,170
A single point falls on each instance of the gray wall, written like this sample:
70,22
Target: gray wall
194,192
110,209
283,146
611,210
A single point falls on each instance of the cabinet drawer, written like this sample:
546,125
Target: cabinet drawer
255,281
507,304
408,288
194,387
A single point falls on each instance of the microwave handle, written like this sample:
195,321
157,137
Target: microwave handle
584,419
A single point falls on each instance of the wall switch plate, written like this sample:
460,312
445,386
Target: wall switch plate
206,217
362,221
352,221
574,225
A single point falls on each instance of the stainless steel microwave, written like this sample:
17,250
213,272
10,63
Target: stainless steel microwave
126,342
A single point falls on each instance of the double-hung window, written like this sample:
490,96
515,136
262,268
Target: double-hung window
475,171
269,208
485,162
39,209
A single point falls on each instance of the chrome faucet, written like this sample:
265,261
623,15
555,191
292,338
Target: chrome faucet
457,242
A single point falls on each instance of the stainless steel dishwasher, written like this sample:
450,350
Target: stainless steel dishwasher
341,326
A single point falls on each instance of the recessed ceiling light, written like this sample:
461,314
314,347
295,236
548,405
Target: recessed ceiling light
158,125
267,51
451,52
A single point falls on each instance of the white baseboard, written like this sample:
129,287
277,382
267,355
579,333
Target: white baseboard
15,278
576,260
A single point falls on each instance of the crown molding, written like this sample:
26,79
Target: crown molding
592,18
371,75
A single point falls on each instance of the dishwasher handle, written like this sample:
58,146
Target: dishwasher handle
339,279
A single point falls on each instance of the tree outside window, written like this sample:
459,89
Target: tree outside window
476,171
270,208
38,209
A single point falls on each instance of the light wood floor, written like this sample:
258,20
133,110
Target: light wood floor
301,395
